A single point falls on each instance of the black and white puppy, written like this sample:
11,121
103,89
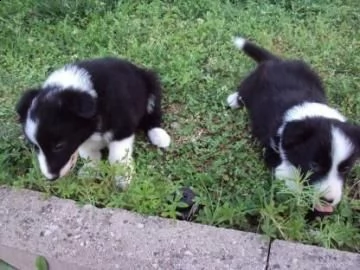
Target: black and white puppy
89,105
291,119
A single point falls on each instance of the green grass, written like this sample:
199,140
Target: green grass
5,266
40,264
189,44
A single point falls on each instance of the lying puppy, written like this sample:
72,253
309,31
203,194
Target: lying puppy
291,119
87,106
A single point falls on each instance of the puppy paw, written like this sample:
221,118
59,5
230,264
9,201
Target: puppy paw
123,174
233,100
122,182
159,137
89,171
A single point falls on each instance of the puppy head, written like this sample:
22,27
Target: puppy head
56,122
325,148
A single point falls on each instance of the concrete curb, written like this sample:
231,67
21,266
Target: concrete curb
74,237
94,238
288,255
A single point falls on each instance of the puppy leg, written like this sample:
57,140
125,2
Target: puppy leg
91,151
151,123
120,156
288,173
271,157
244,91
234,100
157,135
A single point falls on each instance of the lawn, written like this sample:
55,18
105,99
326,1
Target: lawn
189,44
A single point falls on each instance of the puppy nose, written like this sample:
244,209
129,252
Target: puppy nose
53,177
330,201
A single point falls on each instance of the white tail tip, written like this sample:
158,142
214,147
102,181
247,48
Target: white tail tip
239,42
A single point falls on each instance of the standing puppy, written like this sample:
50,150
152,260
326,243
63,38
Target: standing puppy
291,119
87,106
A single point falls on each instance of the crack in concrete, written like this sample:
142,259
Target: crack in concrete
268,254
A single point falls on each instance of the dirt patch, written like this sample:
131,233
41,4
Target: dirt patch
174,108
355,190
184,120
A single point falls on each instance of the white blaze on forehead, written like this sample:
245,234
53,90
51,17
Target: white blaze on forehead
341,149
31,127
44,166
71,76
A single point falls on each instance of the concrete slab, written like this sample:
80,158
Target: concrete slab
288,255
27,260
74,237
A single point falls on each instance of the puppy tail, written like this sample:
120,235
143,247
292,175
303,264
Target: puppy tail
254,51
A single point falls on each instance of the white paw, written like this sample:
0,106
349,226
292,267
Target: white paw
159,137
89,171
288,173
89,154
232,100
122,182
123,174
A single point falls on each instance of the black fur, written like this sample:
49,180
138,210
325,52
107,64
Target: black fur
123,92
277,85
66,117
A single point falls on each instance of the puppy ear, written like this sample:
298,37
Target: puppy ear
24,103
79,103
296,133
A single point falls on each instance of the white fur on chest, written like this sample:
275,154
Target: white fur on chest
101,137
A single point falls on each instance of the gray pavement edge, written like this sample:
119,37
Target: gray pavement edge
70,237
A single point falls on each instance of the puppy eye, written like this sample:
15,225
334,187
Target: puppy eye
36,148
315,167
343,169
58,147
